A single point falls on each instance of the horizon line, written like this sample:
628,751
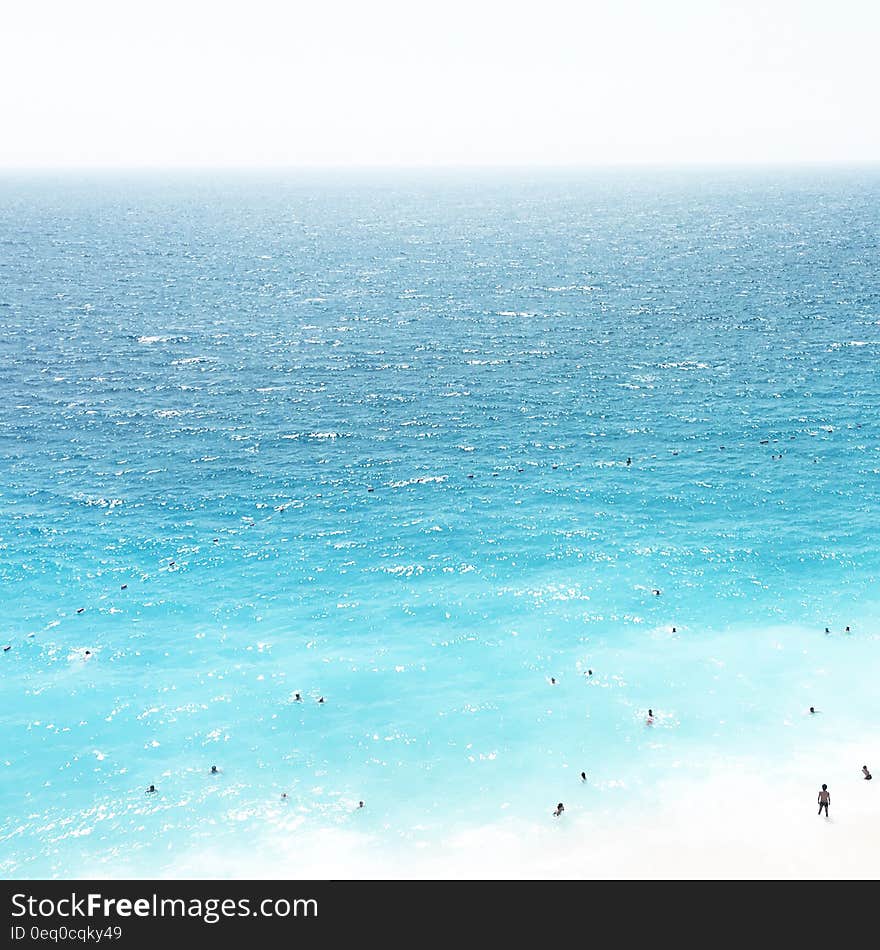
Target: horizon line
684,164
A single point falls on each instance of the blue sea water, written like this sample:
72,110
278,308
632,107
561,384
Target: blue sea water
366,436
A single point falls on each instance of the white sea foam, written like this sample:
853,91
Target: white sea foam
740,821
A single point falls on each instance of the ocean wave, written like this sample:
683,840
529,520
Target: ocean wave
421,480
147,340
99,502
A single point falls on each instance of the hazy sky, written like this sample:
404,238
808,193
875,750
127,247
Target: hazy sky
132,82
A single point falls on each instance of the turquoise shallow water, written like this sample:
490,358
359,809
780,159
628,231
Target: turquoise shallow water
380,425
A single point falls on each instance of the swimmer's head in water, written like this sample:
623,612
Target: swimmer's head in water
213,770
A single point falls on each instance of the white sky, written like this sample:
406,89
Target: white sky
252,82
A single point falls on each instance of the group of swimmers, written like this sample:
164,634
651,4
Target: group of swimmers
152,790
824,795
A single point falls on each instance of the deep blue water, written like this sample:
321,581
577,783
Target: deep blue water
380,425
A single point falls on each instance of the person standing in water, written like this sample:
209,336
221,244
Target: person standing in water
824,800
865,772
560,808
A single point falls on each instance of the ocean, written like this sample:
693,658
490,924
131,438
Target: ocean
421,444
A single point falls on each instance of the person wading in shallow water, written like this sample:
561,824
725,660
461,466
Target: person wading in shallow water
824,800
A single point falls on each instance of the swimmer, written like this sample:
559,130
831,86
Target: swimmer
214,770
360,804
371,488
629,461
655,592
674,630
812,709
824,800
866,773
650,720
552,680
297,698
847,630
321,700
81,609
583,776
151,790
284,796
124,587
560,808
7,648
589,673
827,630
87,653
